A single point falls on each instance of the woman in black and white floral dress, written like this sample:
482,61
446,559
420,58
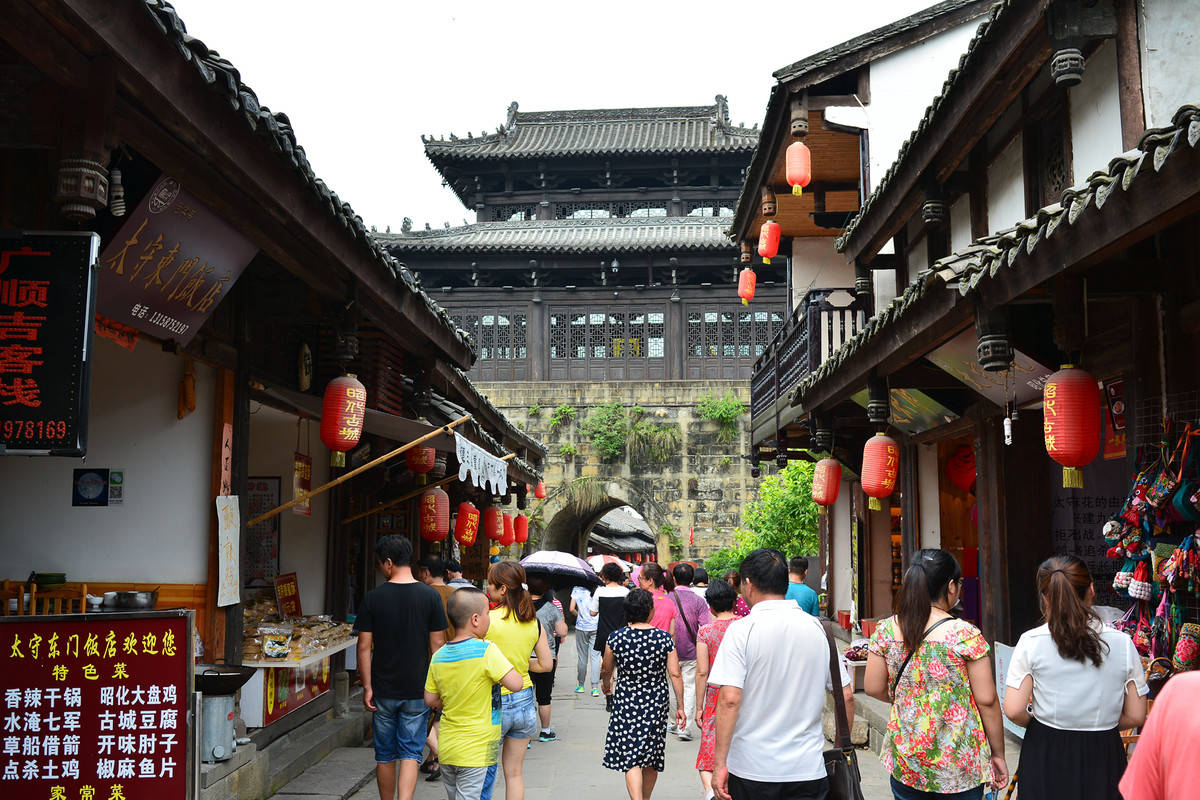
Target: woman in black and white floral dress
637,729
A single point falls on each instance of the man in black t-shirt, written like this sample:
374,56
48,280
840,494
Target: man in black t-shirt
400,624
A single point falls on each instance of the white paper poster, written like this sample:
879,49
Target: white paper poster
484,467
228,550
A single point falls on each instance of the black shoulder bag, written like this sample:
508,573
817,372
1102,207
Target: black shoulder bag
913,651
841,763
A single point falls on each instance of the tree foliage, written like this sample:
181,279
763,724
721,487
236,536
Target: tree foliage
784,517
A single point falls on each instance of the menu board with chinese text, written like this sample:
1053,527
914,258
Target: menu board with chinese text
95,709
47,295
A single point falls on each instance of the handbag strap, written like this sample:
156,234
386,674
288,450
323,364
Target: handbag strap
683,616
841,724
913,651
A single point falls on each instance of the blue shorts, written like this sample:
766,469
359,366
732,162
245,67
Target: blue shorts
400,727
518,715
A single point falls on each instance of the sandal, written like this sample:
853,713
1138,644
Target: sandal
429,766
435,774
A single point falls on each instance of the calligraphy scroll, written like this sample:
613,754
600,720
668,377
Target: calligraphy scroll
228,527
485,469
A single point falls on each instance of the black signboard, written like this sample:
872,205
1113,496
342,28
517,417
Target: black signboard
47,300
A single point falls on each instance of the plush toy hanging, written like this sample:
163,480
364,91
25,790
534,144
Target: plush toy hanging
960,468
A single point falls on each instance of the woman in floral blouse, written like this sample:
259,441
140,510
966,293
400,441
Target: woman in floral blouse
945,737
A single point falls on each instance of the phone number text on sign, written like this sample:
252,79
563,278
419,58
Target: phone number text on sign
94,710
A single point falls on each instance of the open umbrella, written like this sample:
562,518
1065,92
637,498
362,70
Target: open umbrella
599,561
563,569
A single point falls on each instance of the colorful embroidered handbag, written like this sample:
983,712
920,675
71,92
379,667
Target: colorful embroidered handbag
1139,584
1187,648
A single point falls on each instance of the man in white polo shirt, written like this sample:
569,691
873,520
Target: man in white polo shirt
773,670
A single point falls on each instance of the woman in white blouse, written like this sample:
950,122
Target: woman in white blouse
1073,683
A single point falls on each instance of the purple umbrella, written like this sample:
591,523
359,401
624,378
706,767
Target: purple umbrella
563,569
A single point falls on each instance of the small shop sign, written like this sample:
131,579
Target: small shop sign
171,264
287,595
95,709
47,298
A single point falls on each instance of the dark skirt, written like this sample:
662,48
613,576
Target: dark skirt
1070,765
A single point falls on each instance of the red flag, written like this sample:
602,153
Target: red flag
692,536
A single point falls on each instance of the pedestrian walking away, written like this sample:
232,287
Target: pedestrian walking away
637,730
399,625
798,590
652,578
515,629
550,617
1073,684
773,670
434,571
945,735
720,598
587,658
464,682
454,575
740,606
608,603
1164,762
692,612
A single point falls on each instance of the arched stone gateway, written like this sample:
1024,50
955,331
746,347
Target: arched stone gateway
571,518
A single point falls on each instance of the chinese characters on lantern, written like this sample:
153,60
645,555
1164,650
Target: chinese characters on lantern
94,711
45,311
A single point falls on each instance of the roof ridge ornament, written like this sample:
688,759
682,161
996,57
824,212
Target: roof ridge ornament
512,116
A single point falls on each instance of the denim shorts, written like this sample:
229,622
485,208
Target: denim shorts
518,715
400,727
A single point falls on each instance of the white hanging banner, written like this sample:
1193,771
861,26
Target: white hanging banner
229,521
484,467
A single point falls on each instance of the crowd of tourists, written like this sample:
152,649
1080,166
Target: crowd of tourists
466,675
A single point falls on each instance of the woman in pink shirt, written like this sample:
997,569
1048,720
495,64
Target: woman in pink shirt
1165,755
651,578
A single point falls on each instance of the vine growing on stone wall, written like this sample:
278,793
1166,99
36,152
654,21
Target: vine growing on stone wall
585,494
726,411
561,416
674,541
606,427
653,442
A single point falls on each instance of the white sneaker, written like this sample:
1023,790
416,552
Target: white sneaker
672,729
684,736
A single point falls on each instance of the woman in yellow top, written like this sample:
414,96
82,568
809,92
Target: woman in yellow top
515,631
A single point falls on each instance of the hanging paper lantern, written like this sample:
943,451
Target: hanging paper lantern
827,482
521,529
539,491
434,515
508,535
768,240
960,468
799,166
466,525
493,523
1071,409
881,465
342,412
746,281
420,460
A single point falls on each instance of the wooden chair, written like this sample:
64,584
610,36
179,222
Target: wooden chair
15,590
70,599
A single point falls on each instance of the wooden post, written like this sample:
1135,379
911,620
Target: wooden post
993,525
214,632
1129,75
909,513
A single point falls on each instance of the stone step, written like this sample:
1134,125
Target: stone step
294,754
335,777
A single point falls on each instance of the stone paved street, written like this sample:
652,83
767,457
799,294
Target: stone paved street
570,767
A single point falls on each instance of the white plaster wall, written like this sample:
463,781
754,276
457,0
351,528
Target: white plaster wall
1170,43
839,552
160,533
1095,114
885,288
918,257
302,540
928,497
903,85
960,223
1006,188
816,265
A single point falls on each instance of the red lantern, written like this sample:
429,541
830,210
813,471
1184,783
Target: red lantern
539,491
434,515
342,412
509,535
521,528
768,240
960,469
799,166
1071,409
466,526
827,482
493,524
746,281
881,465
420,460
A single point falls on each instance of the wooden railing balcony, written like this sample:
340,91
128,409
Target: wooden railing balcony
816,328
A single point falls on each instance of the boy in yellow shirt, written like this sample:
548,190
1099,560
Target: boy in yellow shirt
464,683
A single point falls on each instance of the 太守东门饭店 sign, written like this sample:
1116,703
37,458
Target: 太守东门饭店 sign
170,264
47,298
95,710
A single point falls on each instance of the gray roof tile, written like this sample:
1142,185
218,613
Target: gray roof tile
567,236
541,134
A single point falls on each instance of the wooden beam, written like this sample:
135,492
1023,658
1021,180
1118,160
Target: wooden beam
993,525
1129,75
40,43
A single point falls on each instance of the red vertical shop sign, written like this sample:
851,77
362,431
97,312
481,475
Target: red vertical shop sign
95,710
